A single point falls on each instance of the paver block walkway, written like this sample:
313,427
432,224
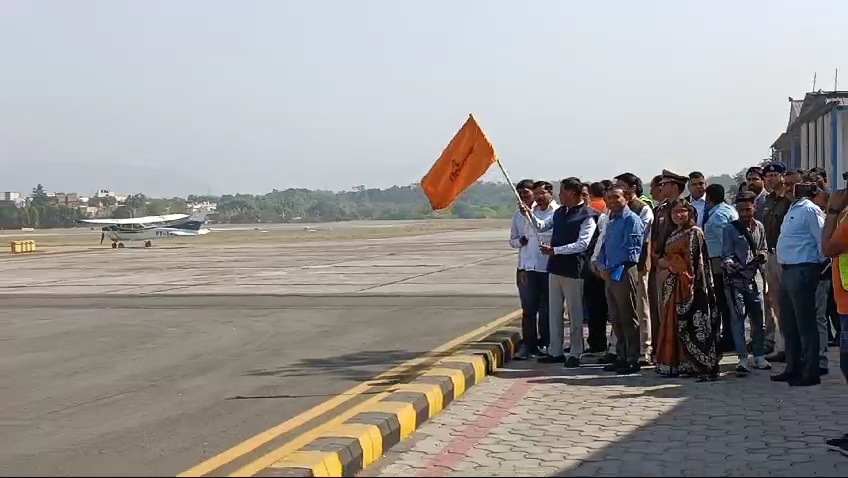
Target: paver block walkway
545,420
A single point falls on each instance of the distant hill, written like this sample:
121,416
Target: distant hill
86,178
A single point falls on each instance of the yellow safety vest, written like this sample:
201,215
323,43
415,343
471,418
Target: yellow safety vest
842,261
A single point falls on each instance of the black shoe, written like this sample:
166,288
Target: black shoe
783,377
550,359
643,362
521,354
615,366
805,382
572,362
629,369
608,358
838,444
823,371
776,357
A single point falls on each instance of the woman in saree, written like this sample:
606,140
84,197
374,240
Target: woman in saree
689,318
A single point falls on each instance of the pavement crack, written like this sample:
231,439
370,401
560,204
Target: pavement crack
305,395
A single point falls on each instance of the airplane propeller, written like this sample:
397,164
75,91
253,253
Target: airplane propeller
102,236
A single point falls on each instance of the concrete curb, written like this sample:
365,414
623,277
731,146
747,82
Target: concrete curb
347,449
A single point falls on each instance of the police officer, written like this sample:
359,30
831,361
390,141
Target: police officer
775,206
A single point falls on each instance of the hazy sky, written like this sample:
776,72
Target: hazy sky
255,95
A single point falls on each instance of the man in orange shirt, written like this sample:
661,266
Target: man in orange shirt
596,201
834,243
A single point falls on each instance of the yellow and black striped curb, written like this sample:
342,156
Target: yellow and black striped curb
348,448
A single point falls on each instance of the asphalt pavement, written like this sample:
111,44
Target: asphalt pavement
148,361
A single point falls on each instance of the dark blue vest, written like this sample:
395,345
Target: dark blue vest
566,230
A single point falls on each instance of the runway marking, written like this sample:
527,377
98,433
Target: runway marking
265,437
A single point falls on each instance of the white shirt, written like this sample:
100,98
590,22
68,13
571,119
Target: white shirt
584,237
700,205
603,219
530,258
647,217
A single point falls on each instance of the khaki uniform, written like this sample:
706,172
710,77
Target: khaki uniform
643,308
659,232
774,210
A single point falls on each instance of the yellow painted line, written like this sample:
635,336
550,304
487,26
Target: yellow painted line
265,437
476,361
456,376
405,413
432,391
302,440
322,463
368,436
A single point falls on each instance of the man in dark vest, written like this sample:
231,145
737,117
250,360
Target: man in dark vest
573,225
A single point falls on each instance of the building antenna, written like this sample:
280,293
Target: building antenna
836,80
814,82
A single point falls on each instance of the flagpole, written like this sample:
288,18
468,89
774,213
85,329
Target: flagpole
518,198
508,180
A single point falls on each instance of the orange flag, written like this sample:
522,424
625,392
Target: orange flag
468,156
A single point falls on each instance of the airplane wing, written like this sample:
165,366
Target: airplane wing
136,220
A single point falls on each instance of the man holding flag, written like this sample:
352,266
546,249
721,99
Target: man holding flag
465,160
532,275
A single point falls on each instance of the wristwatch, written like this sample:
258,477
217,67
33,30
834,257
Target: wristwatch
833,211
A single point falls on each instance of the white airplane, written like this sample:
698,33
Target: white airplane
149,227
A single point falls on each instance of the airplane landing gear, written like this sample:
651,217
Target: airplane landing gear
114,245
120,245
148,244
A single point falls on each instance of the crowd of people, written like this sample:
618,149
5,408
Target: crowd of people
678,275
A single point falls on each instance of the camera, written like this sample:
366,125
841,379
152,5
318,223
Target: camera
806,190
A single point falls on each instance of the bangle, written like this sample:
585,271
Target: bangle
834,211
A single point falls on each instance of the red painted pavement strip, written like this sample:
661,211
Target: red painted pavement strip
488,419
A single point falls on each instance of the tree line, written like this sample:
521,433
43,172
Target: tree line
483,200
38,212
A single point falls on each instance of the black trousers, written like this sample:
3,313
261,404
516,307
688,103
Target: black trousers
533,292
597,308
798,285
725,343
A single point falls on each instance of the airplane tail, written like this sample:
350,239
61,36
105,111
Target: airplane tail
200,215
190,225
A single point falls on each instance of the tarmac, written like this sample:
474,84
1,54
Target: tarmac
145,362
